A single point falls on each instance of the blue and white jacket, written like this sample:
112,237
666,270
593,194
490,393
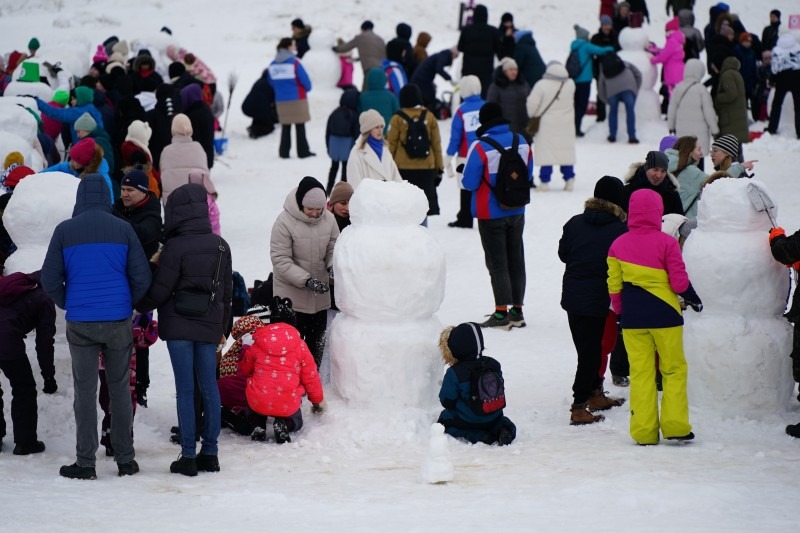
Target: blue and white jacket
95,267
465,124
288,78
396,77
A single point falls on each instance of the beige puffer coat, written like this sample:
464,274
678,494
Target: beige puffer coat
691,109
554,144
178,159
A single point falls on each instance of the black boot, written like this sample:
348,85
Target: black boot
76,471
793,430
302,143
207,463
286,141
184,465
332,177
127,469
29,448
281,431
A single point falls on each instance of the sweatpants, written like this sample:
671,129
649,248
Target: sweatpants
673,421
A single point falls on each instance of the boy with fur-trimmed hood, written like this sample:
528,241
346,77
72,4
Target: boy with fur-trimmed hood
462,347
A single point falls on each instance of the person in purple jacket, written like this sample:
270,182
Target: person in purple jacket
24,307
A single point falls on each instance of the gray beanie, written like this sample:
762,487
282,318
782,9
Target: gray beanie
315,199
656,159
85,122
581,34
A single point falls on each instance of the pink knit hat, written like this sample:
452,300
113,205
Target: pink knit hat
100,55
82,151
673,25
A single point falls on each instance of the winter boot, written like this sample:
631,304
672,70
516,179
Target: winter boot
281,431
207,463
127,469
580,416
76,471
184,465
259,434
683,438
793,430
600,402
29,448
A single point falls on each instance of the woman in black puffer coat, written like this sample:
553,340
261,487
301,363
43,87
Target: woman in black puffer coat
510,90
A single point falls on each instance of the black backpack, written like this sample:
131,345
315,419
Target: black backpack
511,186
417,144
487,390
612,65
573,64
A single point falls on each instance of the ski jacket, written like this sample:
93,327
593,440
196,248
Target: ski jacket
786,54
396,77
456,392
288,77
585,52
691,181
671,56
465,124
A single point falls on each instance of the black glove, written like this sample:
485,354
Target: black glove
334,49
330,272
317,408
50,386
692,299
316,286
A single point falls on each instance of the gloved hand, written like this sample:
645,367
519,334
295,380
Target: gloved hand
316,286
330,272
318,408
50,386
691,299
448,166
775,233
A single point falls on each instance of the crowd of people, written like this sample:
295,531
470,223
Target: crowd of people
139,143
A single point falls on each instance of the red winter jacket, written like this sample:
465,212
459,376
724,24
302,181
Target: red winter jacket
279,369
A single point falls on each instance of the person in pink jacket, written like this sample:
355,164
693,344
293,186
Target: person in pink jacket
194,65
280,369
671,56
182,157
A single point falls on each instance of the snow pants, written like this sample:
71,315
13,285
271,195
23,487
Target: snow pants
642,345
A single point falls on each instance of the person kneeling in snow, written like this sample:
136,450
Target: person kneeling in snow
462,348
787,251
280,369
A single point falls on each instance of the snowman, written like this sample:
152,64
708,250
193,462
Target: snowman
737,349
634,43
390,280
18,131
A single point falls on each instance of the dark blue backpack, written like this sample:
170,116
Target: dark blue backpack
241,298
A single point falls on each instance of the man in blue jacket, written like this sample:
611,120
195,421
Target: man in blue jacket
96,270
500,228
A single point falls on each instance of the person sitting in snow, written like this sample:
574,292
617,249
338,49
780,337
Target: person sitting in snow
787,251
462,350
280,370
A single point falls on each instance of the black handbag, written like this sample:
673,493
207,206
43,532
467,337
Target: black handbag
195,303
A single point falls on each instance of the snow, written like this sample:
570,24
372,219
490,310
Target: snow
357,467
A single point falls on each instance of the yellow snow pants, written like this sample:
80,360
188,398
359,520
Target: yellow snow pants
642,345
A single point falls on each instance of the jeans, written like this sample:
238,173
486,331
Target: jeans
190,359
567,171
505,257
86,341
581,101
629,99
24,410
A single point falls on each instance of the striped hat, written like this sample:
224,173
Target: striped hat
728,144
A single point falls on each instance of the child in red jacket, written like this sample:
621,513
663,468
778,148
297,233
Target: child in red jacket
280,368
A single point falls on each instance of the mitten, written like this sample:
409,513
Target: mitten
316,286
318,408
448,166
692,299
774,233
50,386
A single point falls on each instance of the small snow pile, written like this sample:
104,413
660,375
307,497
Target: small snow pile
39,203
390,280
437,467
737,349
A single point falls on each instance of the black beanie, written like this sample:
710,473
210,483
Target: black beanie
410,95
394,50
776,12
610,189
403,31
175,69
298,23
507,17
490,115
306,184
656,159
466,341
367,25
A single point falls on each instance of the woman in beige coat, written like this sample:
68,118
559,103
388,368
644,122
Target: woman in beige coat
301,249
554,143
182,157
364,161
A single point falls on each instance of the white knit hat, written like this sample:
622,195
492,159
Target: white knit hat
315,199
508,63
469,86
370,119
139,134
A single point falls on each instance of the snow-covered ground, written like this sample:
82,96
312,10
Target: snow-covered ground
359,469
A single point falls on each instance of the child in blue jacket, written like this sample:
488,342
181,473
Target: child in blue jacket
462,348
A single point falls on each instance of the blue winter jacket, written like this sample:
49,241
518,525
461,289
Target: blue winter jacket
103,171
69,115
585,52
456,392
396,77
480,172
95,267
465,124
288,78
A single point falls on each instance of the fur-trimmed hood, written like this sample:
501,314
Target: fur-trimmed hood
629,176
606,206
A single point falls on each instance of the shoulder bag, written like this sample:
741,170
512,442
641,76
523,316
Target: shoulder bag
534,122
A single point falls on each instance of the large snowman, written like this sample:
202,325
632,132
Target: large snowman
390,280
737,349
634,43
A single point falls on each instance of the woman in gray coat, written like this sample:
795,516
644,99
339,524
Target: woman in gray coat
301,249
510,90
691,109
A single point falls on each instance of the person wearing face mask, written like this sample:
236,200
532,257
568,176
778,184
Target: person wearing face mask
652,174
301,249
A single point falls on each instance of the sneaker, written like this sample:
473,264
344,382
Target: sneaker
76,471
127,469
497,320
516,318
793,430
684,438
281,432
207,463
569,185
600,402
620,381
543,187
580,416
184,465
29,448
259,434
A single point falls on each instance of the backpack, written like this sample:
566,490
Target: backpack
611,65
417,144
511,186
487,392
573,65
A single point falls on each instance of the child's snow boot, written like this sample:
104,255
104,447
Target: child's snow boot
281,431
600,402
580,416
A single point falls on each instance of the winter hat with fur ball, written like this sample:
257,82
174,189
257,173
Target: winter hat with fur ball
82,151
370,119
181,125
469,86
100,55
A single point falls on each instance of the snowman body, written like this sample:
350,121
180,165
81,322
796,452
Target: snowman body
634,43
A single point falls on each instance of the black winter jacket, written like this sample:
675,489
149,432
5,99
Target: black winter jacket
202,127
146,221
259,104
480,43
584,248
667,190
188,261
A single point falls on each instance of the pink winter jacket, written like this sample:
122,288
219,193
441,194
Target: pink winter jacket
672,58
199,70
279,369
178,159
